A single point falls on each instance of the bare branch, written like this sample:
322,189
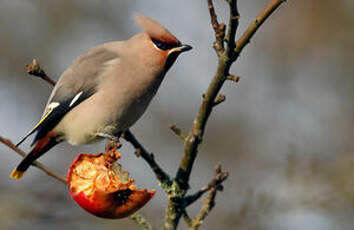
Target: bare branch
195,136
178,132
45,169
209,204
187,219
197,132
232,28
233,78
218,28
214,186
225,62
220,99
35,70
216,183
141,221
161,175
252,29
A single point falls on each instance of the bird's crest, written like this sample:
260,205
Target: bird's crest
154,29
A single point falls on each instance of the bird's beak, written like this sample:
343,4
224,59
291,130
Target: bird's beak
182,48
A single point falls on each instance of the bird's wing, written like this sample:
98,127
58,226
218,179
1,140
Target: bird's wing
76,84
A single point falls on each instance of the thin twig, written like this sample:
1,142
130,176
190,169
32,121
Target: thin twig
214,186
187,219
218,28
209,204
220,99
233,78
45,169
161,175
232,29
35,70
252,29
178,132
141,221
216,183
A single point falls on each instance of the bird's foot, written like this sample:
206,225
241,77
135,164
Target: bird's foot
108,136
113,141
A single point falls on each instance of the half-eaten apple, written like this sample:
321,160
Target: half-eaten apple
100,186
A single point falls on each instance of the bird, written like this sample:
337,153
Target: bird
105,90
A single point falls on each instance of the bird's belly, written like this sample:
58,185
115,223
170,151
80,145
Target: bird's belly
86,130
84,123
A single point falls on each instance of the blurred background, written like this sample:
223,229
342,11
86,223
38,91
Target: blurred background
285,133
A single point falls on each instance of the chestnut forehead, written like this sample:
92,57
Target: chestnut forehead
169,39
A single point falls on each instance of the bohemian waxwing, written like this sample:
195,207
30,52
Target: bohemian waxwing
105,91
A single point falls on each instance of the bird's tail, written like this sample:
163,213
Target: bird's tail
42,146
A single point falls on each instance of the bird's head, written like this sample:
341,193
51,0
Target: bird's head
159,41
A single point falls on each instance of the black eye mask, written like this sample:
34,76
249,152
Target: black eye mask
163,45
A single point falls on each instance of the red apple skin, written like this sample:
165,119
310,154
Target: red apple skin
111,205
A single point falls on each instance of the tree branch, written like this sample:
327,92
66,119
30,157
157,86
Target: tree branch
232,28
226,58
187,219
178,132
45,169
216,183
141,221
161,175
35,70
209,204
225,61
220,99
233,78
218,28
252,29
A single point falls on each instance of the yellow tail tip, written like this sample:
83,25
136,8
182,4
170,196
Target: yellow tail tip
16,174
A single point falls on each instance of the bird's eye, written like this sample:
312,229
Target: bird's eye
163,45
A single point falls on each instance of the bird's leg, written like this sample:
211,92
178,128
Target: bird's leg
113,140
108,136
